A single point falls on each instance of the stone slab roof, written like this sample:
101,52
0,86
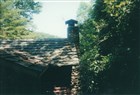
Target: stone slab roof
39,53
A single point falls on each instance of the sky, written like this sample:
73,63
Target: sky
53,15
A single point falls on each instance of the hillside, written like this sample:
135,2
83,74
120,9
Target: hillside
38,35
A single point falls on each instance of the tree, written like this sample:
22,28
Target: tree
122,42
83,11
28,7
13,22
91,62
115,48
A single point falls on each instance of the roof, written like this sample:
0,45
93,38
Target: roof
33,53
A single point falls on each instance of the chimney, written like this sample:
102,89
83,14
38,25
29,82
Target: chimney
72,31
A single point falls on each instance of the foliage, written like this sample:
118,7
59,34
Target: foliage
14,20
110,48
83,11
28,7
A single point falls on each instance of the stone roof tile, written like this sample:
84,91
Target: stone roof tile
34,53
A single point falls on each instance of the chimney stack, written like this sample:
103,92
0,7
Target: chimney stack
72,31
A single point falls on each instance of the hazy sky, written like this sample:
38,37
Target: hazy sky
53,16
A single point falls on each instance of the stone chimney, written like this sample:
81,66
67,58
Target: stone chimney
72,31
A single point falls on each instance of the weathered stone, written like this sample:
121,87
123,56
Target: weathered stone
48,51
35,58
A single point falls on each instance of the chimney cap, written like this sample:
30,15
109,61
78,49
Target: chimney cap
71,22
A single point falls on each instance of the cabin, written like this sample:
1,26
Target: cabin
38,66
